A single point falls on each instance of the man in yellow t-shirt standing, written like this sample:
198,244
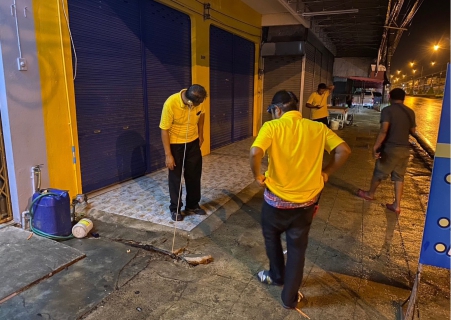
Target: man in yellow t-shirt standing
182,134
317,103
293,182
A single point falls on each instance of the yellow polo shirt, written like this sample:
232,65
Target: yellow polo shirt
321,100
174,118
295,149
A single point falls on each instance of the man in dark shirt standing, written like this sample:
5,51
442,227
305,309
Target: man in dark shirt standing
391,149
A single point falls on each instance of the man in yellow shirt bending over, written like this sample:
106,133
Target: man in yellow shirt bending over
182,134
317,102
293,182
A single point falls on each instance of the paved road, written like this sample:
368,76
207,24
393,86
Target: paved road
427,112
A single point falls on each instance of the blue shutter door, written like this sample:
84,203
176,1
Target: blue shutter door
167,50
108,91
131,56
221,87
243,87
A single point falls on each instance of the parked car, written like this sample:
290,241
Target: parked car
377,98
365,98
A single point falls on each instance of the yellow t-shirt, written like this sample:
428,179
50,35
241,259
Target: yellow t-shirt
295,149
174,118
321,100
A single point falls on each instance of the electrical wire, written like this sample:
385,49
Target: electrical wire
189,8
71,41
256,27
237,29
220,22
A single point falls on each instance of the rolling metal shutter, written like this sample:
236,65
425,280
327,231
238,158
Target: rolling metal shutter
324,70
318,58
243,87
221,87
331,68
231,87
166,39
281,73
119,59
309,86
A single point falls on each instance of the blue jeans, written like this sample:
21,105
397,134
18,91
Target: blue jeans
296,225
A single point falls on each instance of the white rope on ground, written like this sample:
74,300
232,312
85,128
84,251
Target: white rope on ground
190,105
413,295
302,313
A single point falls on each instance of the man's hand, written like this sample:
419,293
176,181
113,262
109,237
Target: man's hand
170,163
201,141
325,176
261,180
376,154
318,107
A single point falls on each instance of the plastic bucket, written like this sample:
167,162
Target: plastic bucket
334,124
82,228
51,212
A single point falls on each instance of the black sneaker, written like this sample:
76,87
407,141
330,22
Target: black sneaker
176,216
263,277
300,297
197,210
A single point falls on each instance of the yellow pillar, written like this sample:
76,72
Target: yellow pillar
57,89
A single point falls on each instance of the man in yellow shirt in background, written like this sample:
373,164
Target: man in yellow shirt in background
317,103
182,134
293,182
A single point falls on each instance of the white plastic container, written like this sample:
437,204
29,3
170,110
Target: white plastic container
82,228
334,124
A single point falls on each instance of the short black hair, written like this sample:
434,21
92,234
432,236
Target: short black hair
196,93
397,94
322,86
285,100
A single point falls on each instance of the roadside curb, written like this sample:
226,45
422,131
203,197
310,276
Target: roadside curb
425,144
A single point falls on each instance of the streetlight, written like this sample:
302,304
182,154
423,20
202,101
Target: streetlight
399,71
433,63
412,63
436,47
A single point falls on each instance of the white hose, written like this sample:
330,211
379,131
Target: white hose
190,104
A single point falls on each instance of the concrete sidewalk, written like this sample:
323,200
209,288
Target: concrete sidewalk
360,263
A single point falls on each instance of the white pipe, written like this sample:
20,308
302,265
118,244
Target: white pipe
17,29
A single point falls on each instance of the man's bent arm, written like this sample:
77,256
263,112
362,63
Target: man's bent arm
166,142
200,128
339,156
381,136
256,156
311,106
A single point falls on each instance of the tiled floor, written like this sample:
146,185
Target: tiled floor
225,172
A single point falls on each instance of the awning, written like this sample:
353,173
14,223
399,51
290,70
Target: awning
367,79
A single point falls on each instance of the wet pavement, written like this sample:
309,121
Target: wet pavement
360,262
427,114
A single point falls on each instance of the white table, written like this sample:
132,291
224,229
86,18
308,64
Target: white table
340,112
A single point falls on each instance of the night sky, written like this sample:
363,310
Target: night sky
431,24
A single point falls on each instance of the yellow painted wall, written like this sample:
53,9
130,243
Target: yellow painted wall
235,17
55,62
57,89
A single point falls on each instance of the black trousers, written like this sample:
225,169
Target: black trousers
323,120
296,225
192,174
